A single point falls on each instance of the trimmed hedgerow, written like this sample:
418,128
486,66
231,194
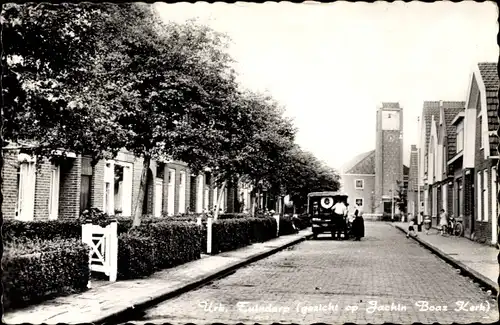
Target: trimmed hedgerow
136,256
37,270
233,233
175,242
41,229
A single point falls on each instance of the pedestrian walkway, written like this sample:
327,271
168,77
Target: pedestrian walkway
105,301
481,261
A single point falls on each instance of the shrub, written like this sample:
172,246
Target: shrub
175,242
230,234
36,270
136,256
233,233
41,229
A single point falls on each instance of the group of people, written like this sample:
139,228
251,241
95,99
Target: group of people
353,222
443,223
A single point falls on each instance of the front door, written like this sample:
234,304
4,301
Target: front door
158,197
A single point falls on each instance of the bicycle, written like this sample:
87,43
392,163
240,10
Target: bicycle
455,227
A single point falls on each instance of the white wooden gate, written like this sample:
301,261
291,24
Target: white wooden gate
103,256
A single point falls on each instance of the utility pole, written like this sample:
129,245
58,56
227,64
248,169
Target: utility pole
418,175
392,209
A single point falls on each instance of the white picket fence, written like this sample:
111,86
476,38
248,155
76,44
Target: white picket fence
103,256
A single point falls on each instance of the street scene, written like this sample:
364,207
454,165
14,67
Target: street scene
250,163
385,278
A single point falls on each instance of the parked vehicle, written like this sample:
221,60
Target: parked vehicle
323,219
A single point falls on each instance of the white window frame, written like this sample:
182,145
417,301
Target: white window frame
25,206
55,183
479,196
171,191
494,190
485,195
362,201
460,137
127,187
108,201
182,192
362,184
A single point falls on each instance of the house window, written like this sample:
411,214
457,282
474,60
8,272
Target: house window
123,188
460,137
26,178
479,196
485,195
359,184
86,184
182,192
54,191
359,202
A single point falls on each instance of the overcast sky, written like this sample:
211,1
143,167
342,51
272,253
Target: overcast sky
332,64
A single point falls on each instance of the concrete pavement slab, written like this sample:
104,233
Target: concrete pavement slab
478,260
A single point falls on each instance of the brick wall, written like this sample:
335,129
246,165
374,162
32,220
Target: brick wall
70,186
42,190
97,189
9,184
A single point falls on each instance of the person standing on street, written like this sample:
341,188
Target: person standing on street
443,222
340,211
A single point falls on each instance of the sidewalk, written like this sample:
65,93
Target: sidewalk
476,260
111,300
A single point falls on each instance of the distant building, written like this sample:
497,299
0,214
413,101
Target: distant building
374,177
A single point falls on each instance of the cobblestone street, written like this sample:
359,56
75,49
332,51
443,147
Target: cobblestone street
337,282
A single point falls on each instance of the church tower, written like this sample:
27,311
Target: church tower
388,155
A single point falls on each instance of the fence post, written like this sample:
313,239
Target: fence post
277,217
209,235
113,250
198,221
87,239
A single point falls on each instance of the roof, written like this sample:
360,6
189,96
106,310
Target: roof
390,105
432,108
489,75
449,116
361,164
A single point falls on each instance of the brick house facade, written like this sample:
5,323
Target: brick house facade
458,156
64,187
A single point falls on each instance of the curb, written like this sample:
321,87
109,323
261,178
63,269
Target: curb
122,316
484,281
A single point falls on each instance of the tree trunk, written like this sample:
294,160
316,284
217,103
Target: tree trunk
142,192
219,200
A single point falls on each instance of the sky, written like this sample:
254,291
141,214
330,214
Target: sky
332,64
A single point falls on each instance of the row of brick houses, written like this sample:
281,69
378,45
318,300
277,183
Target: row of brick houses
63,188
457,156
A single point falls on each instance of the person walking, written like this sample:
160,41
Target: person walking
358,226
443,221
411,228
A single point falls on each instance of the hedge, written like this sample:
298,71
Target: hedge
41,229
37,270
174,242
234,233
136,256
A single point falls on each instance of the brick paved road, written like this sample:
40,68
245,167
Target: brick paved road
325,281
